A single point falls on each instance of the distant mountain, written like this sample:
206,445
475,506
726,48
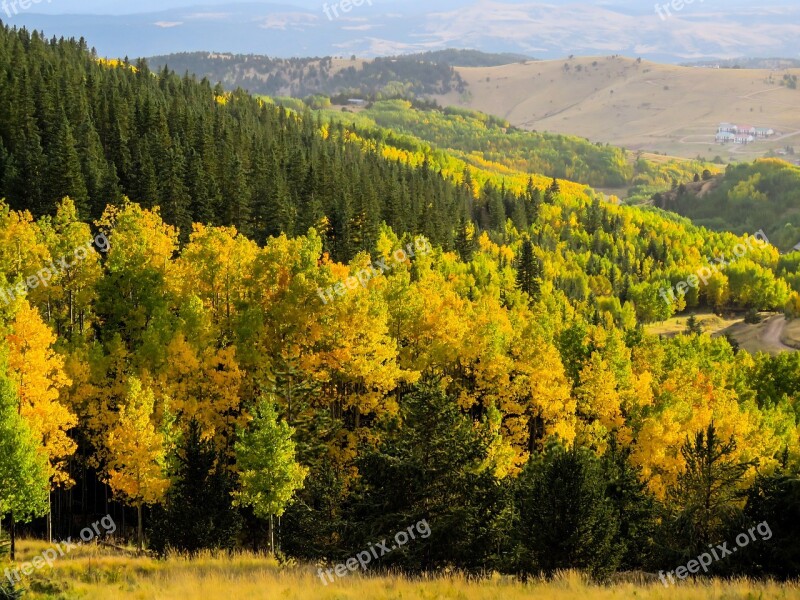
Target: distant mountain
714,29
748,63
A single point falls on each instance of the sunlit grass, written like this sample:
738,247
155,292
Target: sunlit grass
94,573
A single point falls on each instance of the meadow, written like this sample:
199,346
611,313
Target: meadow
93,572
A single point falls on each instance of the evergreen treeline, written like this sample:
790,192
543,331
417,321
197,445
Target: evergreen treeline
70,125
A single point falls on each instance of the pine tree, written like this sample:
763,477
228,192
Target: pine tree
198,509
529,270
65,172
465,240
693,326
566,521
435,468
705,499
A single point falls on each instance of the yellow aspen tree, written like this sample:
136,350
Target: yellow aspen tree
66,296
599,402
204,385
687,403
20,245
137,453
38,372
217,267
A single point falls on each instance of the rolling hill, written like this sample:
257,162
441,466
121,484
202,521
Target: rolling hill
637,104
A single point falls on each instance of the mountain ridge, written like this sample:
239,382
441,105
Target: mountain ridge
293,28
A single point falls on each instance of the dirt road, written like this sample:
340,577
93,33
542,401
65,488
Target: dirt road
773,330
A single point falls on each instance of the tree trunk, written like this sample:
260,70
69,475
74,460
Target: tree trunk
49,517
139,534
13,539
271,538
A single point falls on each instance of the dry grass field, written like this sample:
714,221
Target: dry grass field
642,106
90,573
710,323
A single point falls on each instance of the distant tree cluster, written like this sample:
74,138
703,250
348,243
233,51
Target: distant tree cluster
418,75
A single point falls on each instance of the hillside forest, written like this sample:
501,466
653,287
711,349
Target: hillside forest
168,354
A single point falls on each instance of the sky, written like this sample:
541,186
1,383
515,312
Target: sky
124,7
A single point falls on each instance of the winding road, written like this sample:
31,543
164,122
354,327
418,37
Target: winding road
773,330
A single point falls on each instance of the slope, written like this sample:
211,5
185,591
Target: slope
638,105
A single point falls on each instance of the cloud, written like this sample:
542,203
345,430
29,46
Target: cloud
167,24
284,21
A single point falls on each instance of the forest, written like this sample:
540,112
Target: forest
483,141
415,75
166,358
750,196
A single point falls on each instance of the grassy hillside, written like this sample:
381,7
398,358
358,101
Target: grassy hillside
638,105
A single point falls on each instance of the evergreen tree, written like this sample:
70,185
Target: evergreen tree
198,510
433,469
65,172
773,506
693,326
705,499
565,519
529,270
634,507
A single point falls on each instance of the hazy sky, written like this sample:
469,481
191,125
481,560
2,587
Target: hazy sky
139,6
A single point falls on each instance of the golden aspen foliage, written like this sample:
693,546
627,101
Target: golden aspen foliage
37,370
136,452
